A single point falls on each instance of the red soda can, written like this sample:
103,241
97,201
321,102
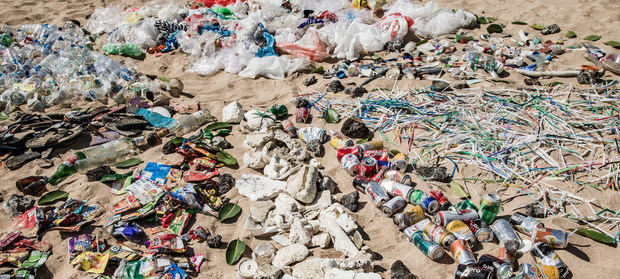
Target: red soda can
346,150
380,155
288,127
368,167
303,113
379,175
444,203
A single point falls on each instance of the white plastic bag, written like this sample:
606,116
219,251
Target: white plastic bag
274,67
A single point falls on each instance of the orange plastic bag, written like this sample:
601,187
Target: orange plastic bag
309,45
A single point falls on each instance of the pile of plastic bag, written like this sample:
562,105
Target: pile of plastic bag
45,65
270,38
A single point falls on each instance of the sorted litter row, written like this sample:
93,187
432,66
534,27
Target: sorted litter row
250,38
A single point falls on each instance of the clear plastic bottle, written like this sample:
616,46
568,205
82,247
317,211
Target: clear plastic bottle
107,158
106,148
189,123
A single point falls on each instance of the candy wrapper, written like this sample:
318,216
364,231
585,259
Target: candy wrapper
35,260
156,172
188,196
145,190
180,221
14,257
168,242
128,203
92,262
82,243
199,176
27,222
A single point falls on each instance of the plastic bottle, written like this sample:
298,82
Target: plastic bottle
109,147
105,159
189,123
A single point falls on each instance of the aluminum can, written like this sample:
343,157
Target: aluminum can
288,127
368,167
308,134
544,255
506,235
340,141
347,150
490,206
430,248
480,230
472,272
303,115
371,145
380,174
409,217
380,155
461,252
502,269
444,217
443,201
399,162
394,188
556,239
360,182
524,223
460,230
351,164
376,194
436,233
428,203
393,205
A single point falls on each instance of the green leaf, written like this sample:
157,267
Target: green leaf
571,34
217,126
615,44
596,236
538,26
164,79
229,210
483,20
128,163
494,28
331,116
319,70
491,19
421,42
553,84
234,251
52,197
226,158
592,38
519,23
459,190
115,177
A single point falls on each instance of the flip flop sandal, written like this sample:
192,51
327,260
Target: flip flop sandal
17,162
611,62
54,136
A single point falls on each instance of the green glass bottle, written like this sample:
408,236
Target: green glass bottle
66,169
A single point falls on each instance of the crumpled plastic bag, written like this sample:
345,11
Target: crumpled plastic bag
274,67
105,19
444,22
357,38
396,25
309,46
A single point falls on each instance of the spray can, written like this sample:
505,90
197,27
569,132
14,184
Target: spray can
444,217
524,223
351,164
393,205
376,194
490,206
408,217
480,230
461,231
444,203
461,252
436,233
428,203
396,189
556,239
288,127
430,248
544,255
506,235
